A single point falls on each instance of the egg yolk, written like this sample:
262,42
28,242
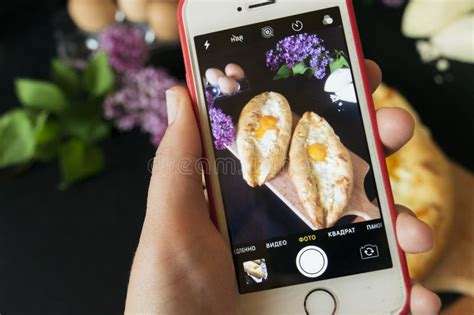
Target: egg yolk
317,152
266,123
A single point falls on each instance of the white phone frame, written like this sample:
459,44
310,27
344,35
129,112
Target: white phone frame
377,292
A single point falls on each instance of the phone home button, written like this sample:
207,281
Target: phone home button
320,302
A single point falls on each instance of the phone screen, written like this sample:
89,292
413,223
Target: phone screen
291,151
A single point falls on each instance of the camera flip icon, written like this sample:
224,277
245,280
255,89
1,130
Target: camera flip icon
369,251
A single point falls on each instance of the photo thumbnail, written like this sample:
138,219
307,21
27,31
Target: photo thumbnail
255,271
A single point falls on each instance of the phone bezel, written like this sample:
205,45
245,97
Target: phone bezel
381,290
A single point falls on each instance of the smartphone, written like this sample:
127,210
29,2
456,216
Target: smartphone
296,174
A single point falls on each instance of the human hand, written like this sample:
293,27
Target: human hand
183,265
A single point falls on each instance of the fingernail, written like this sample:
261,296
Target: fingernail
172,105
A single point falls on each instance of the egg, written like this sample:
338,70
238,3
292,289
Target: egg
317,152
163,19
213,75
134,10
234,71
266,123
92,15
228,85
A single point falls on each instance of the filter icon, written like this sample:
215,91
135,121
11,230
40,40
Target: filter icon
327,20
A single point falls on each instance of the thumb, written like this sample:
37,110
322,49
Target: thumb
176,184
176,206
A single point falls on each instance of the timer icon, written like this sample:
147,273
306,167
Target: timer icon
297,26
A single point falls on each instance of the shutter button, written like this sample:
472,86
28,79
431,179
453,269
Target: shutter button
311,261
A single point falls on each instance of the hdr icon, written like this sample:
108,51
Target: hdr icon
237,38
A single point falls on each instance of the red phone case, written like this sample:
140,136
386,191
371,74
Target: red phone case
368,97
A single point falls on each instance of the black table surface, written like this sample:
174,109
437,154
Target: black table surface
69,252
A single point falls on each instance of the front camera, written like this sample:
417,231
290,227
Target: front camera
239,9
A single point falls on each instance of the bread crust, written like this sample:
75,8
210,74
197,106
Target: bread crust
325,186
262,159
421,180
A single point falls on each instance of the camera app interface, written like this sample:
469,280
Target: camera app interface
291,152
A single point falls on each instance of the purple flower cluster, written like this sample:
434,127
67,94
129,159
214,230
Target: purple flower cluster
141,102
393,3
125,46
300,48
223,128
210,99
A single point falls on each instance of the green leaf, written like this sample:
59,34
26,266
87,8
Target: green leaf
339,63
283,73
99,132
311,71
79,161
83,120
88,130
49,132
17,143
40,95
300,68
38,120
65,77
99,78
47,152
47,141
344,62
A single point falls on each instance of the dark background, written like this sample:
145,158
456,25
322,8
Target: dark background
70,252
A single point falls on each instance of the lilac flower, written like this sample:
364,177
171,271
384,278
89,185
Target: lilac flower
393,3
321,65
223,128
210,99
141,102
273,61
125,46
300,48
